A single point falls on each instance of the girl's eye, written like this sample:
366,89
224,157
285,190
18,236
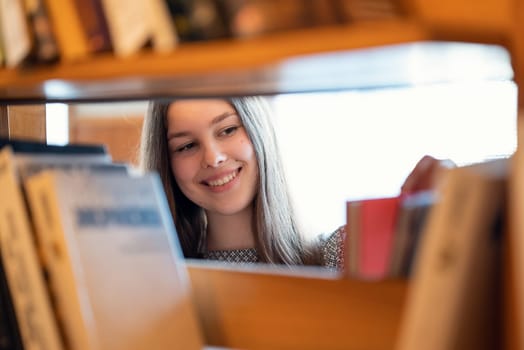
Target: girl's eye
185,148
230,130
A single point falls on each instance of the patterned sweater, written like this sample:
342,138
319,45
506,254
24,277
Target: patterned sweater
331,248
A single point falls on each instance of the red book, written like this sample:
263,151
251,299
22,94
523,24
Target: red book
377,220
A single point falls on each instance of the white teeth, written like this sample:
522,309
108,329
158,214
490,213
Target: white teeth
223,180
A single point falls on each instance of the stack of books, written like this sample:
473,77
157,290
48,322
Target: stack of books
89,254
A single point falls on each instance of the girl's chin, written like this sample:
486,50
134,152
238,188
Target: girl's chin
228,210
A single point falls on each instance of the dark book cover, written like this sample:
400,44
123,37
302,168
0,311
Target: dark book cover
412,216
198,20
249,18
35,147
45,48
94,22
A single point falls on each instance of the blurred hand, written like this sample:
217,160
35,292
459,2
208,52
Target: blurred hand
427,175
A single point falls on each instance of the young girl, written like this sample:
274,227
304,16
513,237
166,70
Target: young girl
221,168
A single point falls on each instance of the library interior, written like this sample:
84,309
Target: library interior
359,91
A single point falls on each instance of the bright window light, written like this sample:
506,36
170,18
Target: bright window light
57,124
359,144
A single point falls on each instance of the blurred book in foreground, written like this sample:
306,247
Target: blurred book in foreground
116,269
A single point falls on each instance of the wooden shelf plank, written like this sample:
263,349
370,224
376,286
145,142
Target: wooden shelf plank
194,64
257,308
362,55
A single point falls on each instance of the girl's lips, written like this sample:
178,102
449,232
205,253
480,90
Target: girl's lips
224,183
221,179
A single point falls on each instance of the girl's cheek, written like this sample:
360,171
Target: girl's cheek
185,168
246,146
179,169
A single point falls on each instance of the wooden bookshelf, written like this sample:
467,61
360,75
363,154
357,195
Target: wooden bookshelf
232,66
272,308
263,65
258,65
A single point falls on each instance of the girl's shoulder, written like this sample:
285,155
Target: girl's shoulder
332,248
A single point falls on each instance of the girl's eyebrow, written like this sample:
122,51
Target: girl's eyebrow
223,116
214,121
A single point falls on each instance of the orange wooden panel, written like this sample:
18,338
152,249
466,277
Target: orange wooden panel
255,309
120,135
27,122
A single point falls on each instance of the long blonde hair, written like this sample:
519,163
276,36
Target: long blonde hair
277,235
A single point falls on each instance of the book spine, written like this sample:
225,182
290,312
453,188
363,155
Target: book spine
164,34
27,285
45,48
70,36
71,303
94,23
255,17
352,247
16,37
410,226
129,30
371,224
192,26
452,297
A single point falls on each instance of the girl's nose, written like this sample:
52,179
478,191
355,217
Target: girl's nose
213,156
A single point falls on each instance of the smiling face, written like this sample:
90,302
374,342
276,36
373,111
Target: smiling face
212,158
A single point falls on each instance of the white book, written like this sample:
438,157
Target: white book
116,267
129,25
164,35
451,303
16,38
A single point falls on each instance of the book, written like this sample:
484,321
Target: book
67,27
375,223
95,26
37,147
31,300
115,266
33,156
351,249
452,301
198,20
129,26
44,44
24,159
411,220
164,36
249,18
16,38
29,157
31,165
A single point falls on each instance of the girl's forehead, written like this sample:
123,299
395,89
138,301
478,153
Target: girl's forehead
198,114
198,107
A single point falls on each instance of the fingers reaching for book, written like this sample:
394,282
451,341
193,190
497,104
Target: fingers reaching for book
426,175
